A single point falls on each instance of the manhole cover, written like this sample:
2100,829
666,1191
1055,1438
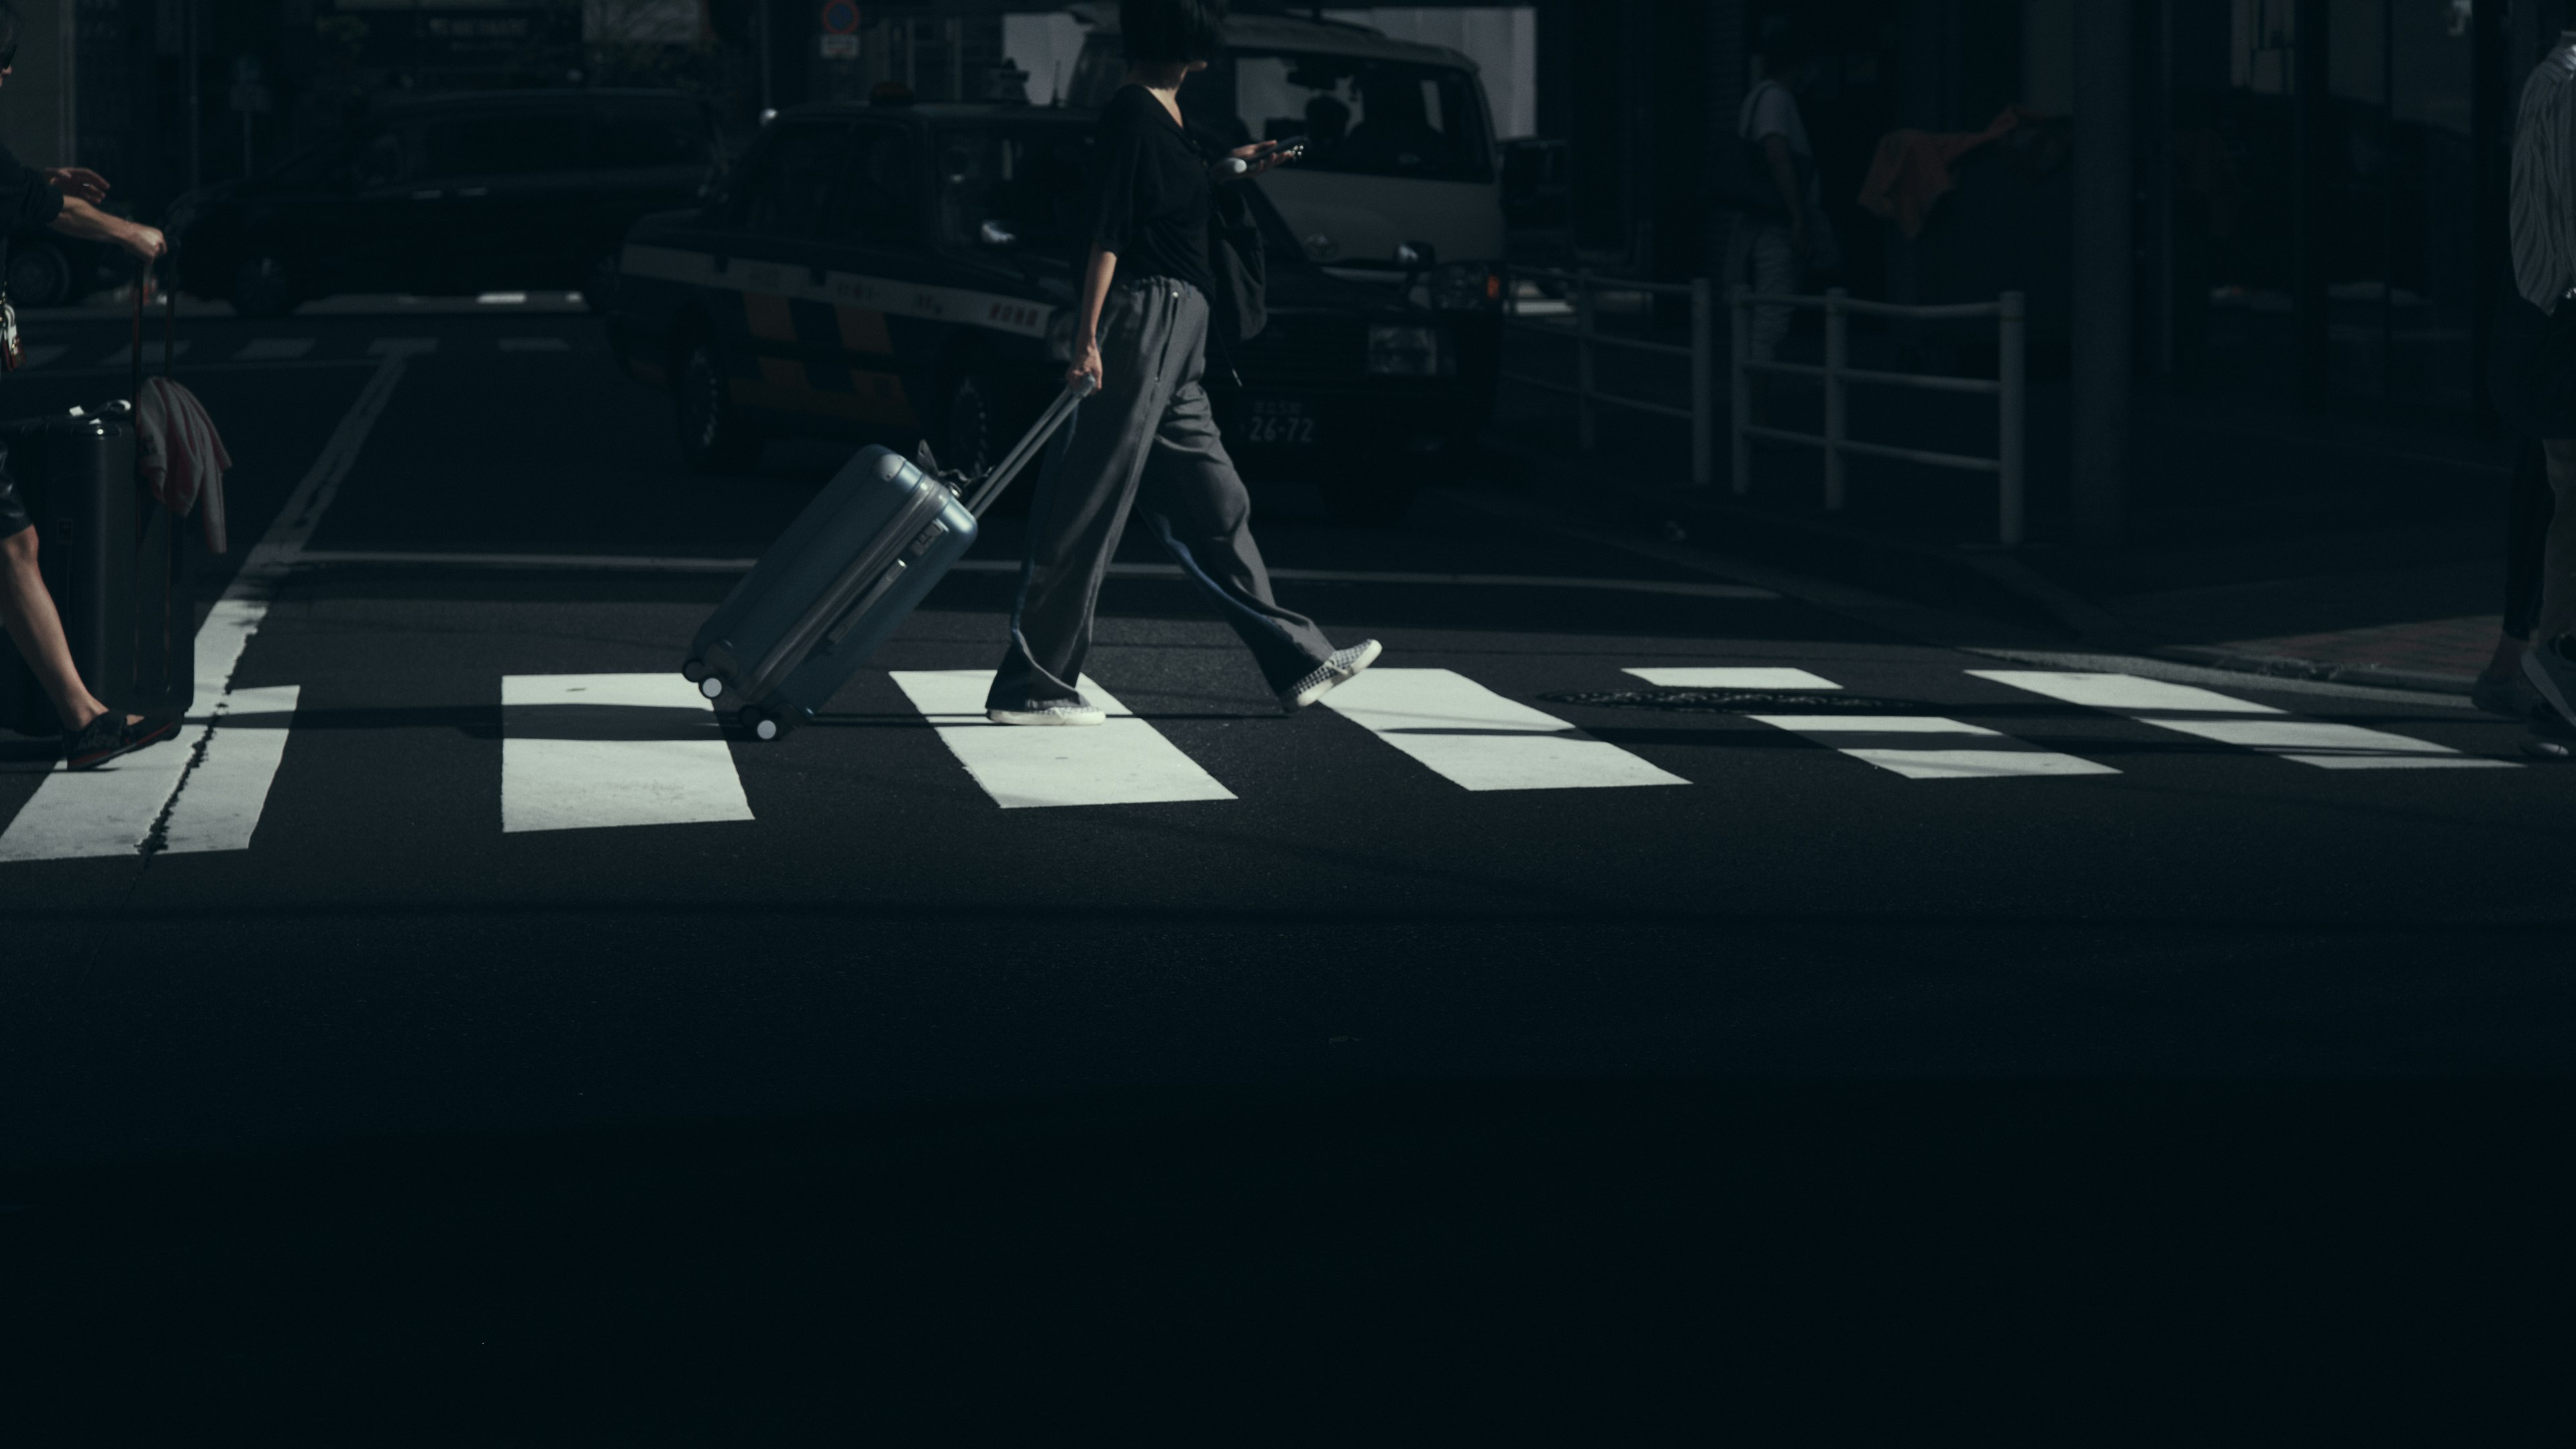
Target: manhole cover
1737,701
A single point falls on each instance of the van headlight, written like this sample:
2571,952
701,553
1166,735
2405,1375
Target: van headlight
1403,352
1466,287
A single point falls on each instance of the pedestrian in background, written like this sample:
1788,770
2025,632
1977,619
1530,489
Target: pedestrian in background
1772,250
2535,372
58,198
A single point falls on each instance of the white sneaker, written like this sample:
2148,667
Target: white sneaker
1076,711
1340,665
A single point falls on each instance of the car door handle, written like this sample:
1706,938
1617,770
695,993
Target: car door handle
427,195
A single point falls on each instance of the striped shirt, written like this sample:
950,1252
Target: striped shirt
2544,182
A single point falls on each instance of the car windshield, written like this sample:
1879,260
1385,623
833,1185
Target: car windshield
1360,116
1011,187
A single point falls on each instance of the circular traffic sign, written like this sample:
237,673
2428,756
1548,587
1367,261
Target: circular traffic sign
840,17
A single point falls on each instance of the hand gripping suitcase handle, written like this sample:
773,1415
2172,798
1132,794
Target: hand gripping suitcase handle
1026,448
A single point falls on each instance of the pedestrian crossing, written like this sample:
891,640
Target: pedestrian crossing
59,356
623,750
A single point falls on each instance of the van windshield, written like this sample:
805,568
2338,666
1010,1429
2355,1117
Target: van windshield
1362,117
1012,186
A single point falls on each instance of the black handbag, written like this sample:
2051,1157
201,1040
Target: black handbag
1237,310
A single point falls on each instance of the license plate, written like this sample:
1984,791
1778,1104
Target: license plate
1279,422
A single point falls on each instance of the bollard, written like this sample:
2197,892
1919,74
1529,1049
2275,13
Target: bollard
1739,391
1837,324
1702,399
2011,326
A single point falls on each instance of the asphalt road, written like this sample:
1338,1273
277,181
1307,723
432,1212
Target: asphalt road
467,887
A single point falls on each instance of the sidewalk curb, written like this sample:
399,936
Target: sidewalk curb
2284,667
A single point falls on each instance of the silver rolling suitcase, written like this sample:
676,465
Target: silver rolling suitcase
853,565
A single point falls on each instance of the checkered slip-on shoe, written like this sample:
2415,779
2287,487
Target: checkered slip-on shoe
108,736
1341,665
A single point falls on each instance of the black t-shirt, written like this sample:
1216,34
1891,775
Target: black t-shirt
1152,206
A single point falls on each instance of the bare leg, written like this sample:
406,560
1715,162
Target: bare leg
28,612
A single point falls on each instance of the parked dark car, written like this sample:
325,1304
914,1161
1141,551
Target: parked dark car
456,194
897,271
49,269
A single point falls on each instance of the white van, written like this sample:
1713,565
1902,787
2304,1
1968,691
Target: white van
1399,140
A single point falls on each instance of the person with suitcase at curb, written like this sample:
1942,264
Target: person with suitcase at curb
60,198
1146,439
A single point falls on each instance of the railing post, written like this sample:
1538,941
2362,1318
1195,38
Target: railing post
1583,357
1739,391
1836,324
1703,391
2012,326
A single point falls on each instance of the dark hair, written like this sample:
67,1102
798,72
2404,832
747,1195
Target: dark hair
1171,32
8,34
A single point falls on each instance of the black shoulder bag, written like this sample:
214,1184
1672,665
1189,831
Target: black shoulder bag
1236,310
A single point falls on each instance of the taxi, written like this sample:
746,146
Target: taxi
887,272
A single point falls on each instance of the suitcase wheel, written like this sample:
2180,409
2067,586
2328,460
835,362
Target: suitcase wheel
762,726
711,686
694,671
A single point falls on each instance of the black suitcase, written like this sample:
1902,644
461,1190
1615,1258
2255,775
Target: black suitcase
112,560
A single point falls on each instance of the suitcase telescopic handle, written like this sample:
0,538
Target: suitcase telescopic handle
1026,448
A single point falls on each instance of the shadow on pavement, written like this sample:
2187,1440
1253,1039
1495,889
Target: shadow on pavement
2069,1261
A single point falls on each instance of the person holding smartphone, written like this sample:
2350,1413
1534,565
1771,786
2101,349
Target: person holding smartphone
1145,438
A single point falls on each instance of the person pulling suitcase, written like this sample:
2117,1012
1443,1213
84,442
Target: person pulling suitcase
59,198
1146,439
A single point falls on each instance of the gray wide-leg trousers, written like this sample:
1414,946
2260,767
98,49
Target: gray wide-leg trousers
1146,441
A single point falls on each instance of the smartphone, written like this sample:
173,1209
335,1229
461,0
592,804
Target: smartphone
1291,148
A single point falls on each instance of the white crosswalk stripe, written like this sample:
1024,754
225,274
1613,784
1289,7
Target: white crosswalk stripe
1477,739
2207,714
106,811
274,349
1123,762
1916,746
218,808
583,751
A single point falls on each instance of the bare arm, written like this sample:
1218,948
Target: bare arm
79,218
1086,333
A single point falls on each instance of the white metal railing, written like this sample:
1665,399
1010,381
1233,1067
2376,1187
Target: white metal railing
1588,396
1837,373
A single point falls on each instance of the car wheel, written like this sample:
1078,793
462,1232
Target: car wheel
261,288
38,276
1368,497
713,436
599,282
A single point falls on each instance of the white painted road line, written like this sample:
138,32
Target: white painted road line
106,811
39,356
402,346
1733,678
1477,739
274,349
2187,709
124,356
1123,762
1889,742
228,789
535,344
663,760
